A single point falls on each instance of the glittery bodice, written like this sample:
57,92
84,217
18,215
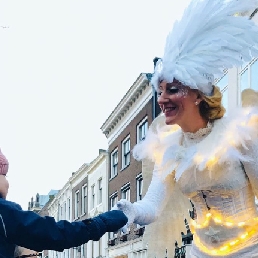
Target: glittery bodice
224,201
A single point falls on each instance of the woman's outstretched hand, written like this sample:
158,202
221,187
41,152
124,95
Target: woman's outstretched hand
128,209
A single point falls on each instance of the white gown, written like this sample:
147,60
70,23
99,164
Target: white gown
217,168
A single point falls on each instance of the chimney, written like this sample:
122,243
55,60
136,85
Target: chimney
102,151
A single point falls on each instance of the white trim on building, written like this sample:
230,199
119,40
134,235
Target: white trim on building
131,104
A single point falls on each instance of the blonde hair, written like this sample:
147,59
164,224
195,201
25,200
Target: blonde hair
211,107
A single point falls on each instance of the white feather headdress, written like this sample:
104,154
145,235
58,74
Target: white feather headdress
209,38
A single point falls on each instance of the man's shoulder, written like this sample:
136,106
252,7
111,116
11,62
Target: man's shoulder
9,204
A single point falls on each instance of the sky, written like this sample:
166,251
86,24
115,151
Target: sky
64,66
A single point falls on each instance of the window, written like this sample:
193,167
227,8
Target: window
114,163
126,152
142,129
139,185
92,196
100,247
141,253
92,248
248,76
69,208
84,199
225,98
244,82
83,250
223,85
222,82
100,191
64,217
254,75
75,252
77,198
60,212
125,192
113,201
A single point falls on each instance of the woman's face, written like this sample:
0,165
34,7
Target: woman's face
178,102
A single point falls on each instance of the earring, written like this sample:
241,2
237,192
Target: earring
196,102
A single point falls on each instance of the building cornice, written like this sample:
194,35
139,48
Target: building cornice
85,168
96,162
125,104
59,195
88,168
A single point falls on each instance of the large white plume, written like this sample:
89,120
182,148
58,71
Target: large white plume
211,36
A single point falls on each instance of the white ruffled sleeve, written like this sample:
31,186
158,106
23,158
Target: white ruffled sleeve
250,151
149,208
251,167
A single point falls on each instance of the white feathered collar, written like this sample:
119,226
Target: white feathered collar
228,136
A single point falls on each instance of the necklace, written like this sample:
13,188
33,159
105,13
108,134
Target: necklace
189,139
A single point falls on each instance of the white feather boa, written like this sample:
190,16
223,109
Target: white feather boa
228,136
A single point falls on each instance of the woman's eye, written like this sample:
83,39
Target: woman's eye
159,93
173,90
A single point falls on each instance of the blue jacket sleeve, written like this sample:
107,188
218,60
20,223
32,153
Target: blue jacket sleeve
28,229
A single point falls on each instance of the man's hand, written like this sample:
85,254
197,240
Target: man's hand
114,220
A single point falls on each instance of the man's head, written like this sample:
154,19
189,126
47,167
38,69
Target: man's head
4,185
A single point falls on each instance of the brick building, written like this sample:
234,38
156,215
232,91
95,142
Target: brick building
125,127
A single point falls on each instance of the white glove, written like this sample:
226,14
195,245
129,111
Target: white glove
128,209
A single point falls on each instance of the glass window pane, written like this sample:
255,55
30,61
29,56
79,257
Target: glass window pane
254,76
127,146
244,80
244,65
225,99
223,82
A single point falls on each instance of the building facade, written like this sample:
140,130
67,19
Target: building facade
40,201
125,127
82,197
60,209
97,200
89,194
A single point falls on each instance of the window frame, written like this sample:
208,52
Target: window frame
139,126
224,89
113,196
84,199
139,187
76,204
247,67
64,204
114,172
93,195
100,190
126,153
69,208
126,189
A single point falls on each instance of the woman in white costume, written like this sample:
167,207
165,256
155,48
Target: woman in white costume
199,154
